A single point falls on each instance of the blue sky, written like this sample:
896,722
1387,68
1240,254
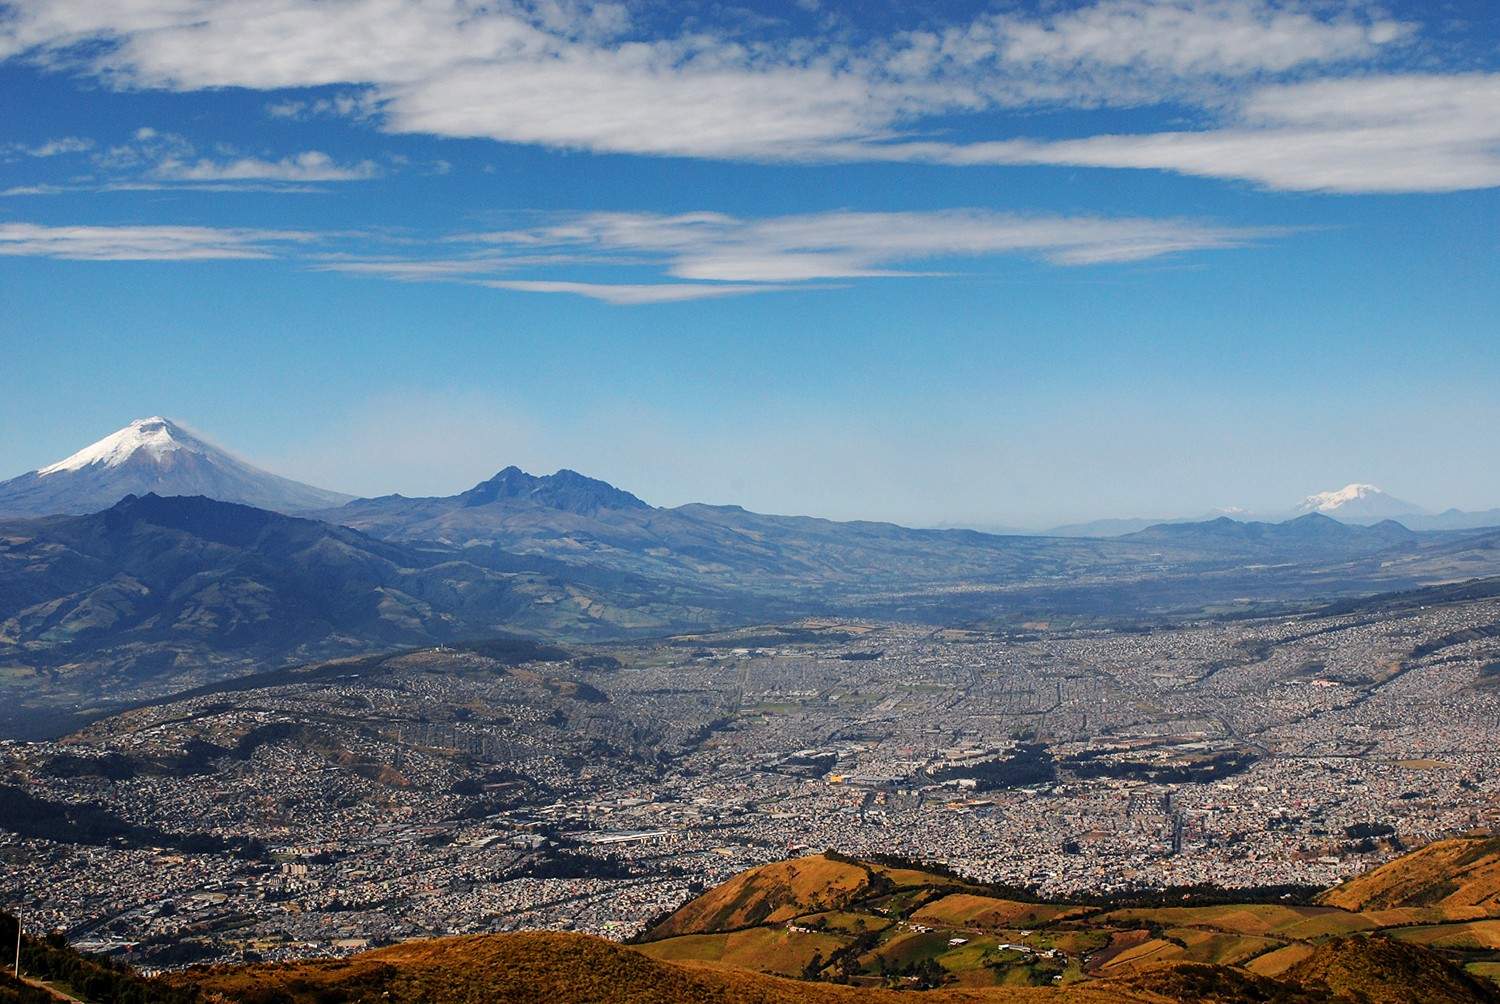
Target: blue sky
996,263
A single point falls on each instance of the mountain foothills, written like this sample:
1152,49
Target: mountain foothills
828,928
153,561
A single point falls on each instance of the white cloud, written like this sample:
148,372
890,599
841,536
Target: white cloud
578,75
33,190
846,245
311,166
1186,40
51,148
152,159
149,243
693,256
704,254
1410,133
636,293
350,105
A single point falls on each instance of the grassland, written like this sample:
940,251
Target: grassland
873,925
829,930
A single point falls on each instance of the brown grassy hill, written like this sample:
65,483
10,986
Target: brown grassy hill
1458,876
1383,971
558,968
782,890
534,967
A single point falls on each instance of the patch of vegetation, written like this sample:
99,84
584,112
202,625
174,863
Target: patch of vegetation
87,976
1027,765
1199,770
515,651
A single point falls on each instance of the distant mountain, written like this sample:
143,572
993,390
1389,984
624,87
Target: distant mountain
1114,527
1328,536
566,490
157,594
1453,519
1357,503
154,455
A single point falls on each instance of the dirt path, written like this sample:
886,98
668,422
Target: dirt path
58,994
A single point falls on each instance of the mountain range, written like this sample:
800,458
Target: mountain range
152,594
158,455
1358,504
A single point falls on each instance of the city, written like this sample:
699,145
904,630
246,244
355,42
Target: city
441,792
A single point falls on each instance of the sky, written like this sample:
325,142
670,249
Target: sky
1000,264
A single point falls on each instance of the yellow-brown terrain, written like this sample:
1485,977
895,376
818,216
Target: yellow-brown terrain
830,929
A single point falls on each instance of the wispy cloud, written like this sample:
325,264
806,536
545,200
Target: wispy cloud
587,76
848,245
664,258
150,158
1413,133
706,254
49,148
635,293
311,166
154,243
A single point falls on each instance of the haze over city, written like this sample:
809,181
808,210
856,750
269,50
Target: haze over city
992,264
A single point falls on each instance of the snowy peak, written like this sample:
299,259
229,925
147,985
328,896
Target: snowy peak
154,437
154,455
1357,502
1347,495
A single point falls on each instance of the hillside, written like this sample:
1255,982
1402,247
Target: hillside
1456,877
535,966
777,892
1384,971
873,926
160,594
567,969
881,931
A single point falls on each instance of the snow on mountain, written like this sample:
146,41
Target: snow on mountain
155,436
154,455
1357,503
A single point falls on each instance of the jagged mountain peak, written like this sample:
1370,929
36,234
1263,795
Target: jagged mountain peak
566,490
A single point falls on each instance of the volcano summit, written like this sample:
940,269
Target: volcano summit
154,455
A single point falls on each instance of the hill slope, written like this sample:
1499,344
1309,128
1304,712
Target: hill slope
156,594
1453,875
526,968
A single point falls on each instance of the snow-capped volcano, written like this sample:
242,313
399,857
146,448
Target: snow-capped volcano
156,437
1357,504
154,455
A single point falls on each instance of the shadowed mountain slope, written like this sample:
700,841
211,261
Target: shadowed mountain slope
158,594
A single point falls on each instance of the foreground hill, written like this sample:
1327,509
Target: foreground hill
1452,877
925,930
880,924
528,967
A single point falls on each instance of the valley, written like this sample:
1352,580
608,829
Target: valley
513,785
